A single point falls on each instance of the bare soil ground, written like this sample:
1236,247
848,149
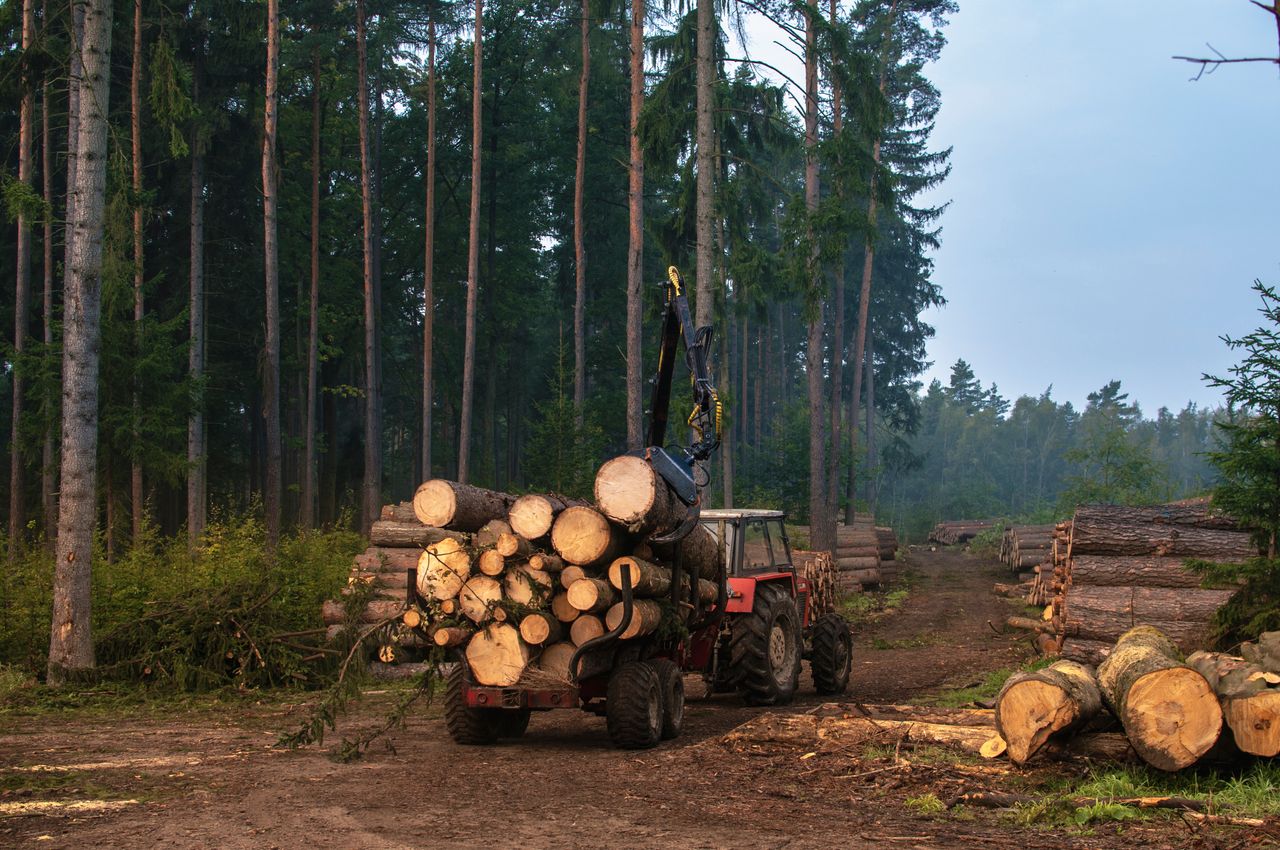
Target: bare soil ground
213,779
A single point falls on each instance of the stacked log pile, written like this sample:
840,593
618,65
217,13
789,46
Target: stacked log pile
857,556
1111,568
518,584
958,531
824,580
1026,546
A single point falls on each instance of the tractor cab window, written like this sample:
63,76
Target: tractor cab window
781,557
756,553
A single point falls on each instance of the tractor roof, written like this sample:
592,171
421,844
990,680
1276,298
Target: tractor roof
741,513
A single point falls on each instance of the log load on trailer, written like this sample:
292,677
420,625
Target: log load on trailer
612,603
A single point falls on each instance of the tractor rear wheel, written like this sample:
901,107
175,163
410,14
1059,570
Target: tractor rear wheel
633,706
764,650
671,683
832,654
467,725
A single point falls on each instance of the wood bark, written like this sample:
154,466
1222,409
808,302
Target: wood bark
586,627
540,628
403,534
555,659
136,506
583,536
1132,571
546,563
372,482
271,262
197,460
1033,706
646,616
1105,533
821,522
1105,613
700,553
635,233
458,506
1194,513
532,516
473,256
71,643
861,576
479,598
871,562
591,595
704,165
428,272
629,491
1249,697
382,558
490,532
646,579
307,514
579,225
450,636
48,473
22,289
1168,710
497,656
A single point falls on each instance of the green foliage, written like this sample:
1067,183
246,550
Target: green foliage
926,804
14,681
21,199
171,108
987,543
567,446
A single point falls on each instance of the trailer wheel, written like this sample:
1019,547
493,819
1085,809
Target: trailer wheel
633,706
468,726
671,684
764,652
832,654
513,722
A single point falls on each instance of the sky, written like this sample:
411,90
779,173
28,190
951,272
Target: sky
1107,215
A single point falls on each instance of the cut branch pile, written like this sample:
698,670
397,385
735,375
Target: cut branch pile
958,531
517,584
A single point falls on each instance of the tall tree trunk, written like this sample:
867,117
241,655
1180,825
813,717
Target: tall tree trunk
26,135
579,247
75,74
635,243
837,320
135,135
705,165
271,252
428,280
820,530
744,397
307,516
197,461
473,258
70,638
873,486
372,442
726,449
48,476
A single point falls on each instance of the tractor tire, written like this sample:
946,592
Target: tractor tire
513,722
832,654
467,726
764,650
633,706
671,682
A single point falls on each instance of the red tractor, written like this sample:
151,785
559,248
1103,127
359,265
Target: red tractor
752,639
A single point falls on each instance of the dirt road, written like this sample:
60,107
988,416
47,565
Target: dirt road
213,779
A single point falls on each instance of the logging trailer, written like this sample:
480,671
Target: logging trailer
751,640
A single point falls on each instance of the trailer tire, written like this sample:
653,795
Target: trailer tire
671,684
764,651
633,706
832,655
467,726
513,722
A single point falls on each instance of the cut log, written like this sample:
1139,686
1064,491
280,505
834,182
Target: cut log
591,595
708,592
526,586
646,615
448,607
847,564
491,563
701,553
334,613
843,552
497,656
479,598
1033,706
563,611
1195,513
1168,710
545,562
514,546
532,516
1105,613
1250,705
400,512
1091,652
571,574
863,577
442,569
462,507
555,659
1110,532
448,636
646,579
585,628
387,559
406,534
490,532
1133,571
540,628
583,536
631,493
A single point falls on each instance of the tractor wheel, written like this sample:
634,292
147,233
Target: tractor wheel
832,654
671,682
633,706
764,651
467,725
512,722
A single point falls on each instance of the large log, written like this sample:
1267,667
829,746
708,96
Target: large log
1250,701
585,537
646,615
1168,710
1085,651
479,598
532,516
563,611
334,613
540,628
846,564
1193,513
527,586
857,552
513,546
399,512
1032,706
1105,613
462,507
868,576
405,534
586,627
569,575
700,553
630,492
646,579
497,656
384,558
555,659
491,563
1115,532
591,595
442,569
1135,571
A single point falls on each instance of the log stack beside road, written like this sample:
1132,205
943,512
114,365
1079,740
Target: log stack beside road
954,532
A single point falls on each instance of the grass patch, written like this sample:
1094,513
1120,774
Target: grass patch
14,682
983,691
926,804
861,608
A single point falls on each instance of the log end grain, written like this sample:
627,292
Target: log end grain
626,488
435,503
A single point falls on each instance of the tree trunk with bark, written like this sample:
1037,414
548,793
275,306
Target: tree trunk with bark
1132,571
271,252
462,507
531,516
704,165
307,518
1099,532
579,225
136,498
372,484
630,492
71,643
48,464
473,258
22,293
1032,706
820,521
635,238
837,318
428,272
197,463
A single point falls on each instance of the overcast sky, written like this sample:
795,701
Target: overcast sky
1107,215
